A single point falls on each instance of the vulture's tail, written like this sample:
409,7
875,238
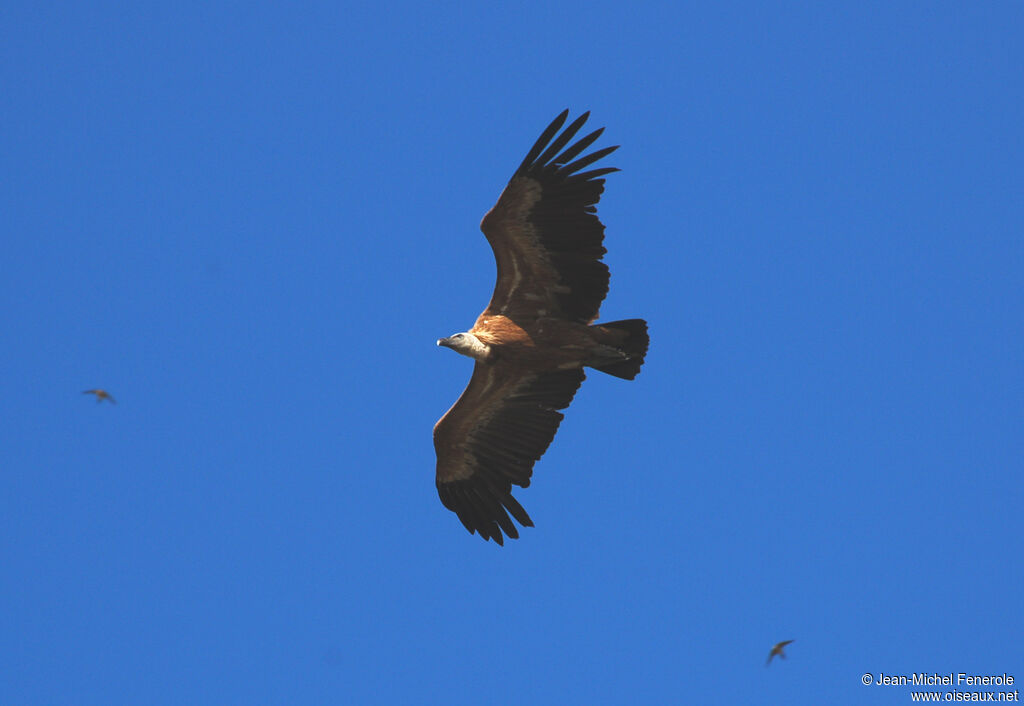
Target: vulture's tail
629,337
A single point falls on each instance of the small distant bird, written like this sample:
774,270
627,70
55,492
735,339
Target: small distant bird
777,650
100,395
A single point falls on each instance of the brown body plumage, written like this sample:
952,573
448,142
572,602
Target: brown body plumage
536,335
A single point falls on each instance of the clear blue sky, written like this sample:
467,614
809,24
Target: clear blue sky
251,222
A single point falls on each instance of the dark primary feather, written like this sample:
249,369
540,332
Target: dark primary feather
548,133
560,141
513,432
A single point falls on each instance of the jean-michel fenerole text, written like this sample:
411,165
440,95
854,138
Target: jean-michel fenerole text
951,679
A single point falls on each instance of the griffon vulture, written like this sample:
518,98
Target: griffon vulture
536,335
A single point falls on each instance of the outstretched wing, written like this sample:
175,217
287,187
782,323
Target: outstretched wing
490,439
545,233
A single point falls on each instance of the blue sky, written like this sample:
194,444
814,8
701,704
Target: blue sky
250,222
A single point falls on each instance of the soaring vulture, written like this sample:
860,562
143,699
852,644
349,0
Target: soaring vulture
537,334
